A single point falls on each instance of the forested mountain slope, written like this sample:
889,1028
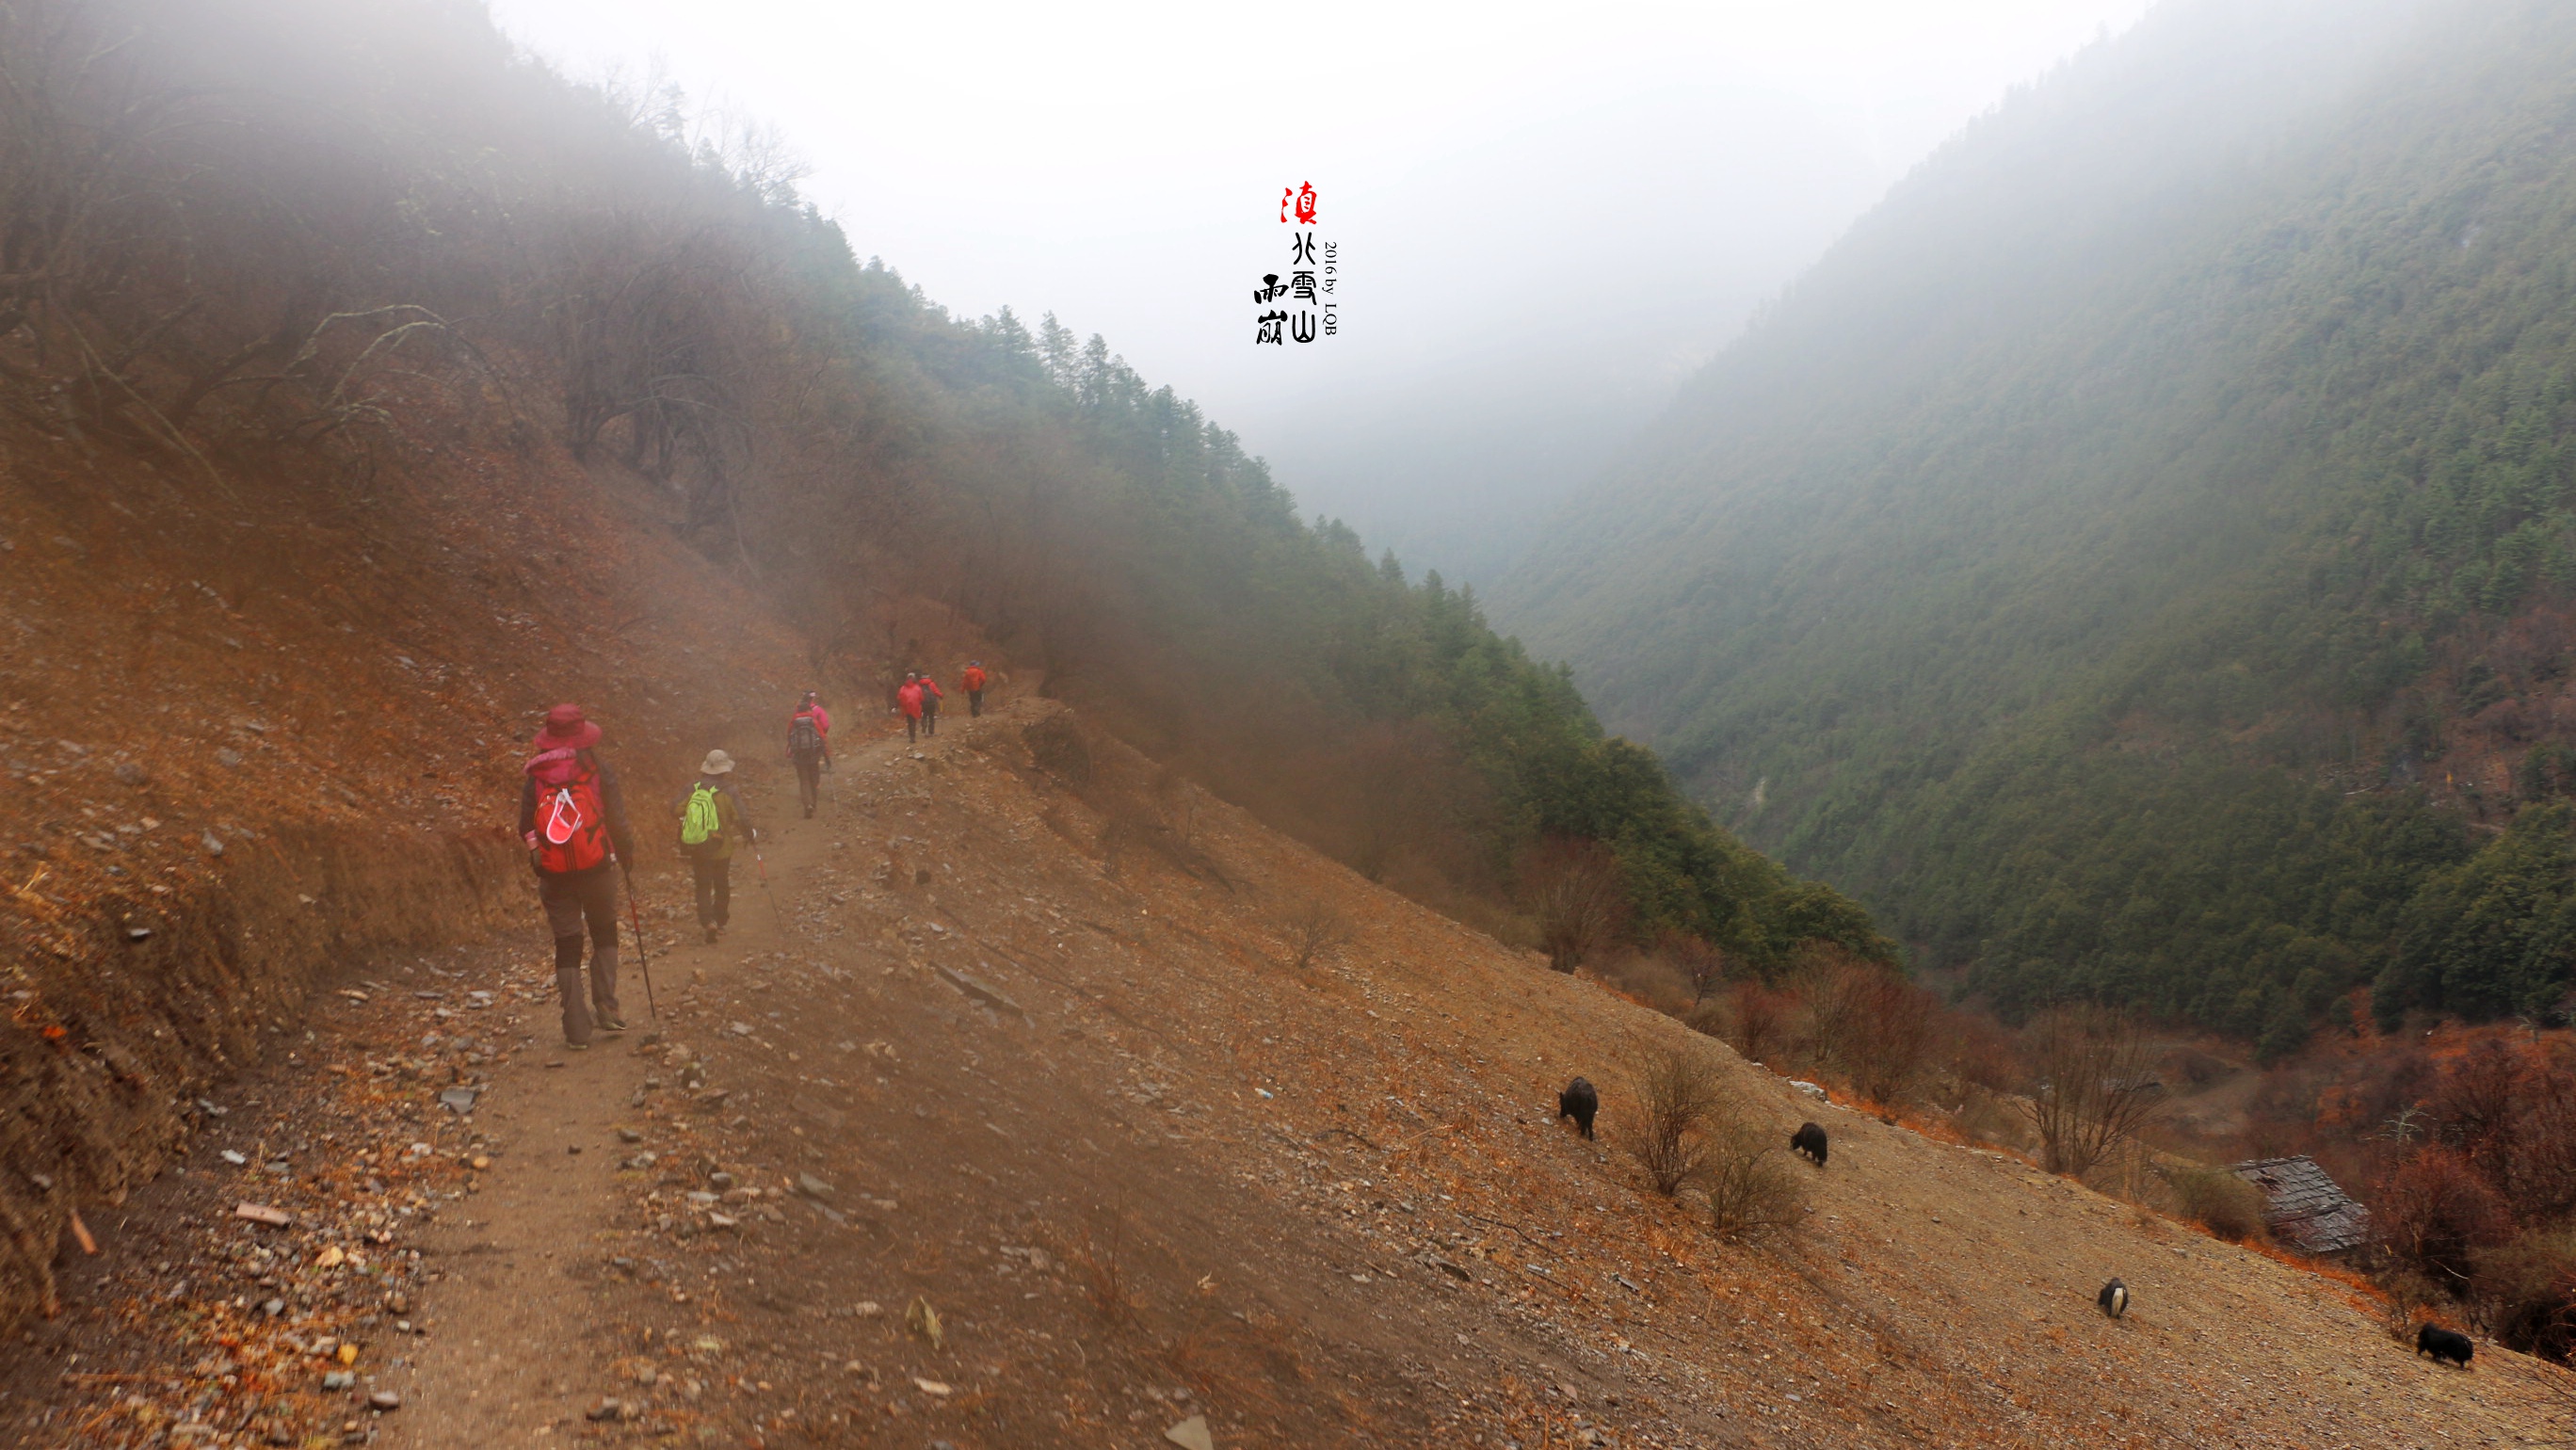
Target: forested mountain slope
358,239
365,389
2138,557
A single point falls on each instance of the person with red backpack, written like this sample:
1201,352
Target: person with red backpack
973,680
931,695
809,749
573,818
907,698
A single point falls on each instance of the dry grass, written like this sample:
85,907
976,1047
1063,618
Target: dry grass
1100,1258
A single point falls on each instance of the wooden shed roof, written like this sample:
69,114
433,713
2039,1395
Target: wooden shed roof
2303,1206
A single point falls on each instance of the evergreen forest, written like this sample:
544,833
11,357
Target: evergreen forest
2138,560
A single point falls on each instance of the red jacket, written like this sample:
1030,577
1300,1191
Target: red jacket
909,697
930,688
973,680
822,726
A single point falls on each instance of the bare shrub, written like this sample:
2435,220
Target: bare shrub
1573,888
2527,1292
2220,1202
1315,932
1750,1183
1697,962
2477,1100
1101,1259
1059,748
1982,1052
1990,1118
1677,1090
1648,977
2433,1213
2539,1168
2095,1088
2408,1299
1757,1019
1869,1024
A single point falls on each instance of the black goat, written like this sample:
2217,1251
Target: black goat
1579,1101
2444,1344
2114,1299
1810,1140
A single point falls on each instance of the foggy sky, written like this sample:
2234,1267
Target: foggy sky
1548,214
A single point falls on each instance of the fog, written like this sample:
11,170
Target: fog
1546,216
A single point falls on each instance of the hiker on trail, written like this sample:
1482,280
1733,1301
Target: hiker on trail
573,818
809,747
908,699
973,680
711,821
930,698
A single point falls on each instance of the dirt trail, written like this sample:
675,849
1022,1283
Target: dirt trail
517,1336
1029,1055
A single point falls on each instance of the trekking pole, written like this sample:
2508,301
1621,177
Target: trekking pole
643,958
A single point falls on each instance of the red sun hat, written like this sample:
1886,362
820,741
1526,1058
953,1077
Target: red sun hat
567,729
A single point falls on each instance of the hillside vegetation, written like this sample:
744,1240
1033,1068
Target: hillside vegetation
366,388
2138,559
365,236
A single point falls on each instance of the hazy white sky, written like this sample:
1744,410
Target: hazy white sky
1548,213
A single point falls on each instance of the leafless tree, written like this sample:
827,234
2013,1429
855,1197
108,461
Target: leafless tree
2096,1086
1574,888
1870,1025
1697,961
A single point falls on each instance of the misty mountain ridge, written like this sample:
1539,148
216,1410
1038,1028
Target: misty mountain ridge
2137,555
1618,246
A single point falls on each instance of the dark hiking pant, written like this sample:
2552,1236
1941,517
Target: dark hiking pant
572,900
974,704
929,718
912,727
809,781
715,889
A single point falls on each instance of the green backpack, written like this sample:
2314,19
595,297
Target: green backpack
700,824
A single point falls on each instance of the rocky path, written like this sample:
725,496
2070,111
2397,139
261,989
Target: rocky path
1017,1123
518,1338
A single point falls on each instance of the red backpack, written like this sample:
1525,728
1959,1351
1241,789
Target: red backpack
572,826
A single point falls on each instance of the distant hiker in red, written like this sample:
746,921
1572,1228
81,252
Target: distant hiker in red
573,818
908,699
809,747
930,698
973,680
712,821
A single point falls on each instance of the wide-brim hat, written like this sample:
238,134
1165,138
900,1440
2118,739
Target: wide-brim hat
716,763
567,729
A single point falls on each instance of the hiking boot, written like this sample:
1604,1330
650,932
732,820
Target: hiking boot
610,1024
576,1047
711,936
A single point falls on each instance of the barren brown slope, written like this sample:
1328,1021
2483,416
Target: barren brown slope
252,730
1073,1100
